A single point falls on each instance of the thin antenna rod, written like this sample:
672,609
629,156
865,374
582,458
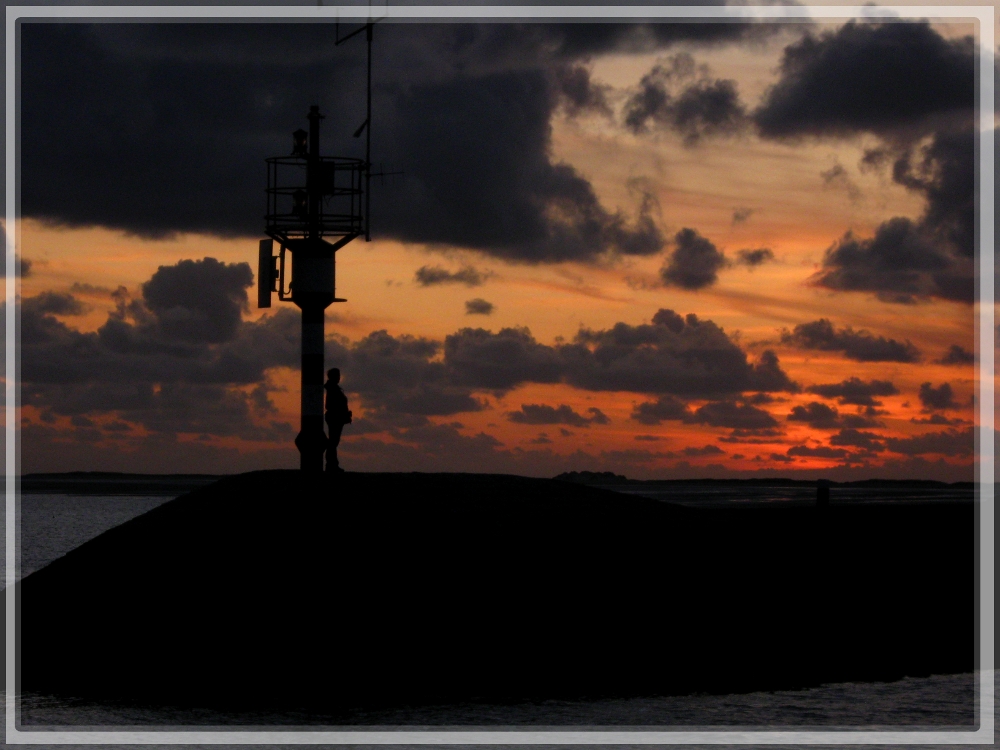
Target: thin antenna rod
368,142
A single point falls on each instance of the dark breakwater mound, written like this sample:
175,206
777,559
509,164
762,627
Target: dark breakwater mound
272,589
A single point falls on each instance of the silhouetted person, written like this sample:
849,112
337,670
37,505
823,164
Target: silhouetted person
337,415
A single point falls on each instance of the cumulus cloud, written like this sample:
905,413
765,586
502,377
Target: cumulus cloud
902,263
500,361
147,365
198,301
855,391
860,346
694,262
682,356
402,375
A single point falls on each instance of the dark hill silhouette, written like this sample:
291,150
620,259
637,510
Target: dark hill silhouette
381,589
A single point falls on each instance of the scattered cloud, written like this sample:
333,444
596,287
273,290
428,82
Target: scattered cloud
861,346
820,451
957,355
538,414
702,107
855,391
694,262
435,275
478,306
941,397
947,443
754,258
816,415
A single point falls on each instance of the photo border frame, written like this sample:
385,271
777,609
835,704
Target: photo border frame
983,734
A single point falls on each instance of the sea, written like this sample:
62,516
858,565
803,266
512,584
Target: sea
51,523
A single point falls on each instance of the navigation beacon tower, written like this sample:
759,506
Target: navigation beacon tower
315,205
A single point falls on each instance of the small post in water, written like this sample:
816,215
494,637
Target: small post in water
823,493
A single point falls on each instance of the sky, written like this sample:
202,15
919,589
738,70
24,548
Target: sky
667,250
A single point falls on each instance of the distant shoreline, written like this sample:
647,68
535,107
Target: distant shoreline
122,483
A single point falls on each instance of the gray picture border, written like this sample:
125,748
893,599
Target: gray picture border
984,14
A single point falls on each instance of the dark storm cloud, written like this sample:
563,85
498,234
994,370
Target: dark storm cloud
478,306
855,391
563,414
434,275
579,93
880,78
754,258
163,128
947,443
861,346
957,355
694,262
941,397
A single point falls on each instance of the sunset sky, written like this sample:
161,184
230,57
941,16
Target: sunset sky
665,250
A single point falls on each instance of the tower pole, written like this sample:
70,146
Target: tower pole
312,273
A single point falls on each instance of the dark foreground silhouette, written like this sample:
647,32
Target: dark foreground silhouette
273,589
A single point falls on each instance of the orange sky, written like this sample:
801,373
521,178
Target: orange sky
791,210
